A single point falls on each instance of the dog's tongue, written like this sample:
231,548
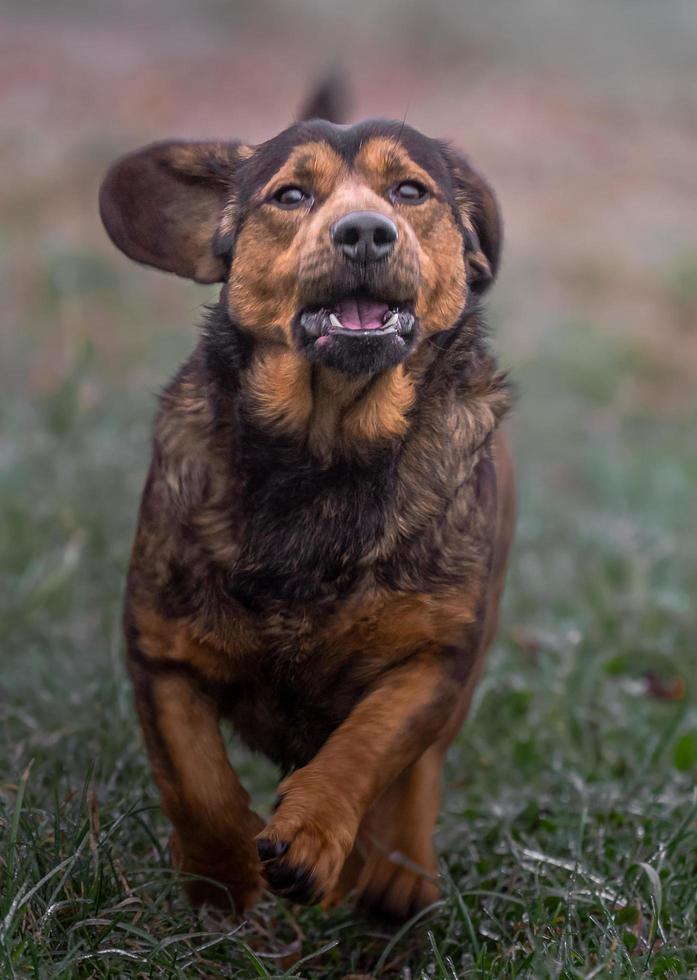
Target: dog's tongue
361,314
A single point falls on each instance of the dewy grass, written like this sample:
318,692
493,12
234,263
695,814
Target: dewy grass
569,832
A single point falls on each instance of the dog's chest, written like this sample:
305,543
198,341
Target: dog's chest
289,697
313,662
307,532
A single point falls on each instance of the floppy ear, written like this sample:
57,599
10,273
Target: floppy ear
162,205
481,219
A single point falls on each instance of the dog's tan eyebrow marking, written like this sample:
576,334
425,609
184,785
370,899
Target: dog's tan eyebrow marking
383,162
305,166
315,166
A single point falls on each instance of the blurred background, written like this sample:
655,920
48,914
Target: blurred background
583,115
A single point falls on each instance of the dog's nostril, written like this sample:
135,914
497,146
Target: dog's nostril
383,236
351,236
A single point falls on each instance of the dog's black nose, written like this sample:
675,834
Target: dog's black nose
364,236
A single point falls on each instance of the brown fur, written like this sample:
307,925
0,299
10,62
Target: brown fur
320,554
200,792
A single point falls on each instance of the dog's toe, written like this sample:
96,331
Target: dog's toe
269,850
294,882
302,865
305,888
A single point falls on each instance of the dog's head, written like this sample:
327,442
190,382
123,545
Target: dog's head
348,244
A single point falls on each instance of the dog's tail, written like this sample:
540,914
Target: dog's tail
328,99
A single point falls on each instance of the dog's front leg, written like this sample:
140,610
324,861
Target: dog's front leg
214,828
314,826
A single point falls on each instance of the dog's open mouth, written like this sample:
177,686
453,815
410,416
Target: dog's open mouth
357,317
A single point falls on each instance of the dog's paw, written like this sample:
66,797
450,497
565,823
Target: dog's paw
390,890
302,856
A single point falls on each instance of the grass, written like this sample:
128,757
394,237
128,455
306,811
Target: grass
569,832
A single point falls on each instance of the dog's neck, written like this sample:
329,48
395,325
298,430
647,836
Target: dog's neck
333,413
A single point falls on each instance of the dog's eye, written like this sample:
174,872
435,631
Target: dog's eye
409,192
290,197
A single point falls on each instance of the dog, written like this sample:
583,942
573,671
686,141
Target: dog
324,529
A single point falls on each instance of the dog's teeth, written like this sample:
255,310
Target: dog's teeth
393,321
335,321
311,324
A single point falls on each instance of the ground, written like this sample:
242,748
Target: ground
569,831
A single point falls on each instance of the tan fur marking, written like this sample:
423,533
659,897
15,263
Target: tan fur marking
173,641
384,162
381,414
391,625
333,393
314,165
328,409
280,386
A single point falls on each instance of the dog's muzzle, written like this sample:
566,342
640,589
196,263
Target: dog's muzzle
357,334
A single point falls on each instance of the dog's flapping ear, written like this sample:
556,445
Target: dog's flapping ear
328,100
481,219
162,205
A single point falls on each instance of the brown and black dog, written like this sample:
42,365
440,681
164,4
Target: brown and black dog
324,529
